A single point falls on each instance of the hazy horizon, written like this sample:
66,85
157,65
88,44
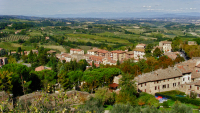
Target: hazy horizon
56,7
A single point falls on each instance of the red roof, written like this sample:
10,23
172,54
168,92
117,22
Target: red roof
97,58
102,51
118,51
75,49
113,85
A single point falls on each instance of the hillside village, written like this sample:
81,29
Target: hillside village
78,66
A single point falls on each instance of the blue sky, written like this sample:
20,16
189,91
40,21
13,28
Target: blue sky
51,7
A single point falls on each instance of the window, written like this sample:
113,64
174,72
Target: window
155,87
190,86
141,85
197,87
157,81
145,90
164,86
174,84
164,80
158,87
178,83
168,79
188,78
174,78
167,85
145,84
183,79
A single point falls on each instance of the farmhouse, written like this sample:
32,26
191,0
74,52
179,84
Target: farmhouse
166,46
183,77
76,51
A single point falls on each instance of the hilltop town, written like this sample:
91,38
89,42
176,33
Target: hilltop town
87,65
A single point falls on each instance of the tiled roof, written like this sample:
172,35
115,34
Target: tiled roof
40,68
102,51
196,83
166,42
75,49
130,52
195,74
118,51
160,74
141,45
142,50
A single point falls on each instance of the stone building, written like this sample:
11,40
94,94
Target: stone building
184,77
166,46
76,51
118,55
139,53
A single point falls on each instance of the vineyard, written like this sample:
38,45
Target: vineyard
15,38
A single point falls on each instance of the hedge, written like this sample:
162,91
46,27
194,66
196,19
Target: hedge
181,99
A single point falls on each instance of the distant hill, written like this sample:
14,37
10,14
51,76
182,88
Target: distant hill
111,15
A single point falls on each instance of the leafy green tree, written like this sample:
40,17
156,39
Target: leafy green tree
63,79
92,105
93,65
128,91
157,52
75,77
118,63
20,74
3,52
82,64
180,108
47,78
6,81
30,57
176,44
105,95
125,108
148,50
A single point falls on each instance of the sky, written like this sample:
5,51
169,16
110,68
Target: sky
52,7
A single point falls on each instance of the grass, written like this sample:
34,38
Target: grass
13,46
98,38
108,107
59,48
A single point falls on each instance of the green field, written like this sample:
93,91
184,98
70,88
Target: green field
98,38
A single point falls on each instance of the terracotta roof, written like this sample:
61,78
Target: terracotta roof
102,51
142,50
93,50
196,83
171,55
75,49
195,74
113,85
40,68
97,65
118,51
51,51
130,52
184,69
166,42
141,45
160,74
99,58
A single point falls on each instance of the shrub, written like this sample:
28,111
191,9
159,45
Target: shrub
125,108
180,108
165,104
92,105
